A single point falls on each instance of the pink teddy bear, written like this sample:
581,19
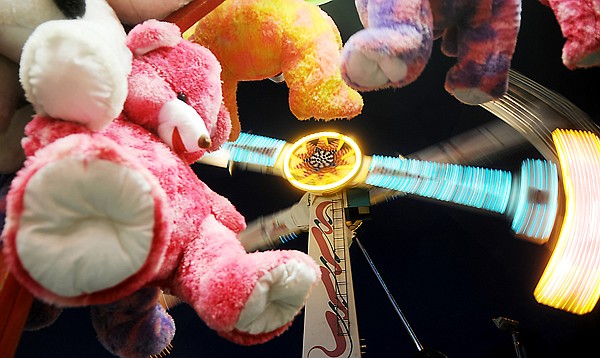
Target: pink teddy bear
109,217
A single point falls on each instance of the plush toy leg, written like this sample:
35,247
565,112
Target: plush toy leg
580,24
136,326
247,298
41,315
484,53
230,101
284,282
393,50
85,223
77,70
321,94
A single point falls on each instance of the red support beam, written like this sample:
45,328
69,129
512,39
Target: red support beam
192,12
15,302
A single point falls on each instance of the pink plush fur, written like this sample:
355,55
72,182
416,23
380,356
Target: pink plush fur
194,252
579,22
94,147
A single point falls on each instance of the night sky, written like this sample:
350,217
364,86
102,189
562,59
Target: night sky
451,270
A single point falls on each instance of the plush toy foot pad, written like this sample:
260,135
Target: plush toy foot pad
381,58
86,225
277,297
471,96
590,59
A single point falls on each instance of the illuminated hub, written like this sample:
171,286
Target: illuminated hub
322,163
487,189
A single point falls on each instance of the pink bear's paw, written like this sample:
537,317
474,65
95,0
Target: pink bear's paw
277,297
88,223
275,292
379,58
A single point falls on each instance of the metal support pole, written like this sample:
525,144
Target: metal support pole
412,334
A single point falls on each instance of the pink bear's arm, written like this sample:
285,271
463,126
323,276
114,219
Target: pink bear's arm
223,210
42,131
227,214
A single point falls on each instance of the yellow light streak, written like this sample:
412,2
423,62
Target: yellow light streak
571,280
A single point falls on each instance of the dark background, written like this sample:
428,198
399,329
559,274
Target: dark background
451,270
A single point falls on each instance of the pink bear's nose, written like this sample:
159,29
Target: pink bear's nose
182,128
204,142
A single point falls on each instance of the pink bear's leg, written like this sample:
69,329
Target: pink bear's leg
486,44
85,223
579,22
395,47
247,298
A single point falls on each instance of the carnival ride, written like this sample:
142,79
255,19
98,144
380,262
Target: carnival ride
547,198
532,110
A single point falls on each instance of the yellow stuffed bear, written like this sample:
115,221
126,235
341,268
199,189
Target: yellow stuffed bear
259,39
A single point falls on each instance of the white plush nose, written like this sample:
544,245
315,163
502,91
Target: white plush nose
182,128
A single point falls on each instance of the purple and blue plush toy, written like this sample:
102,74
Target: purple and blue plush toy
396,44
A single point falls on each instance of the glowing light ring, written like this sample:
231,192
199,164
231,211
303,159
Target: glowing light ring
487,189
255,149
571,280
322,162
536,203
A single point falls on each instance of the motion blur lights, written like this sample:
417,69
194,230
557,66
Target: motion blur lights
481,188
254,149
536,202
571,280
323,163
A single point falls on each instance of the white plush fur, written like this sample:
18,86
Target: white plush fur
77,69
92,233
276,297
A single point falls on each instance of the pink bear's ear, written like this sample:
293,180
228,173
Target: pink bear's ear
153,34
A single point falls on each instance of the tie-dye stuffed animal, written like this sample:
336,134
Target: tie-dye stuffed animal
395,46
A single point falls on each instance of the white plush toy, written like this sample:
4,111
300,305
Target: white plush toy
68,59
74,62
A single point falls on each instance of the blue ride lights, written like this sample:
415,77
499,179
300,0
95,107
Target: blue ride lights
255,149
529,200
535,203
288,237
481,188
